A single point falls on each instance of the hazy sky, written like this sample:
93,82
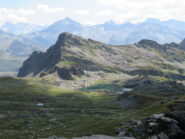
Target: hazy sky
90,11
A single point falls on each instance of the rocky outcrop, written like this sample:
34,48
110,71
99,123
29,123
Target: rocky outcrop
33,65
64,72
42,64
71,52
170,125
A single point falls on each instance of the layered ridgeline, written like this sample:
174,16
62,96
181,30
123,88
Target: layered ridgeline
83,61
79,81
12,53
19,40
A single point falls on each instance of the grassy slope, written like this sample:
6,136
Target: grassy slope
66,112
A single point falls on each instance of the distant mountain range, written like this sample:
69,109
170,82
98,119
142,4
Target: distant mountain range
112,33
21,39
109,32
20,28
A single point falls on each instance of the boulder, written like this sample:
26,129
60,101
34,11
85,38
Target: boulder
163,136
179,116
170,125
157,116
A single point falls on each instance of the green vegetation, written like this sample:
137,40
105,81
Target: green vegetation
66,113
66,63
108,86
90,49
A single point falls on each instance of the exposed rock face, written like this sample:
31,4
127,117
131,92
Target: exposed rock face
159,126
73,55
64,72
29,68
182,44
42,64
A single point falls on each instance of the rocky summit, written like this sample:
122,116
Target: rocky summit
84,60
50,62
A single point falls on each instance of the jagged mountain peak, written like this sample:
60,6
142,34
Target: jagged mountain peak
40,62
37,53
64,25
66,21
65,34
68,38
148,42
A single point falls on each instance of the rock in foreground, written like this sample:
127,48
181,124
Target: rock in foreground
170,125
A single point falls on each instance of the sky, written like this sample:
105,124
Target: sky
45,12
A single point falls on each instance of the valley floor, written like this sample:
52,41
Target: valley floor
68,113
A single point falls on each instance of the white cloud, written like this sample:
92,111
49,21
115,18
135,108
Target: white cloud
26,11
139,10
104,13
14,16
117,10
82,12
21,15
89,23
47,9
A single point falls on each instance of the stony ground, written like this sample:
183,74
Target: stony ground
95,110
170,125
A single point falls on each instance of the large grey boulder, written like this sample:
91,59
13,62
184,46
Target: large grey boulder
170,125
